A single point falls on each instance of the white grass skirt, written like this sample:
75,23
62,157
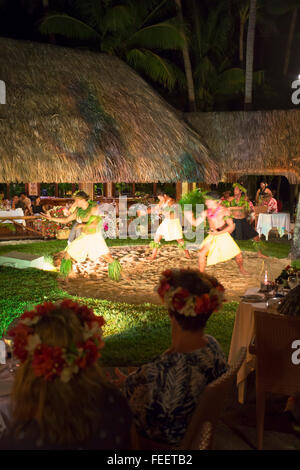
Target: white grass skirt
88,246
170,229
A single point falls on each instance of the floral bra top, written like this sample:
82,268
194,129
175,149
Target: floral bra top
211,214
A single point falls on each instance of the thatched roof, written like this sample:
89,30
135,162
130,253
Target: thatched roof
256,142
74,115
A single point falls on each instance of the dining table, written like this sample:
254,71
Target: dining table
267,222
242,336
12,213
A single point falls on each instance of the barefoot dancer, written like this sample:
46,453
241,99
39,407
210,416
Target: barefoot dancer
239,205
91,242
170,229
218,246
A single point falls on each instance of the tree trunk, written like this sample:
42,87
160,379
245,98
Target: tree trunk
243,18
278,188
296,237
250,56
290,41
187,64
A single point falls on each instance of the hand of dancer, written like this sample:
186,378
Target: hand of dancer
46,216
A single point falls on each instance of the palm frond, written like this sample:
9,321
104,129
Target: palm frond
163,35
65,25
158,69
230,82
204,72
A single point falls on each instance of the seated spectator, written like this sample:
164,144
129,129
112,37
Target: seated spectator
271,203
37,207
16,203
164,393
60,399
26,204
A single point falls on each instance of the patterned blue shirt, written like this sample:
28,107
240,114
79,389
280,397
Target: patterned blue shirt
163,394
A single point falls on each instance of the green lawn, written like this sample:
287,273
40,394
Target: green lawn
134,333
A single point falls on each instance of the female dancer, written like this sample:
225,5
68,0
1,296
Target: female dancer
170,229
218,246
90,243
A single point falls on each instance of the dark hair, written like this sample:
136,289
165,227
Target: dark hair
212,195
81,195
196,283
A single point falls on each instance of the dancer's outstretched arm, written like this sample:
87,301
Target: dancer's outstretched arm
60,220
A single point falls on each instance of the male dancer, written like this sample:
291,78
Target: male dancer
90,243
170,229
239,206
218,246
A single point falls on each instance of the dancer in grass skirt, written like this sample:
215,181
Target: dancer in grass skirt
218,246
170,229
90,244
239,206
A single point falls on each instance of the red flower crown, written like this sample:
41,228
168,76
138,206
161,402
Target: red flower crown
51,362
182,301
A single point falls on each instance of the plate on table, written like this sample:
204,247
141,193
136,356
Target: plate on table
252,298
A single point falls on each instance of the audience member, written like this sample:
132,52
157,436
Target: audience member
60,399
163,393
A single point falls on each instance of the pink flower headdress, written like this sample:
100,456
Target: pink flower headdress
182,301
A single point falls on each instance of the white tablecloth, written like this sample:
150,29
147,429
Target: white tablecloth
12,213
266,222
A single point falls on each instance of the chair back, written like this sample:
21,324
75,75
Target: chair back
274,337
200,431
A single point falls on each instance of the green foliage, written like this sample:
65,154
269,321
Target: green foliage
130,30
65,267
134,334
114,270
194,198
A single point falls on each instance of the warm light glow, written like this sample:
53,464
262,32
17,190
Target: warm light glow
48,267
266,277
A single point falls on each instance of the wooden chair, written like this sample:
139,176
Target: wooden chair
200,431
275,372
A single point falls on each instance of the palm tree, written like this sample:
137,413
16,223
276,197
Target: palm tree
132,31
250,55
187,62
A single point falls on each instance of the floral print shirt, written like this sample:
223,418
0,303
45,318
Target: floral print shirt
163,394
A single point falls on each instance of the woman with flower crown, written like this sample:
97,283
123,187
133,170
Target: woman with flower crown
90,243
60,399
163,393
